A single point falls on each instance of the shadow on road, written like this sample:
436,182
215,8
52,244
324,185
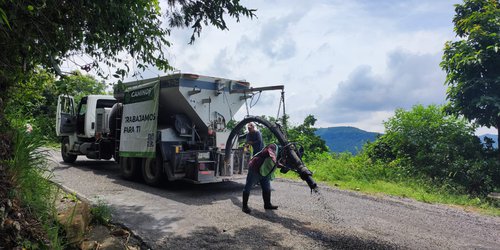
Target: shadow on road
213,238
263,237
183,192
153,229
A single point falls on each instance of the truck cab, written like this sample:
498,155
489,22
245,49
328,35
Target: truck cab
81,126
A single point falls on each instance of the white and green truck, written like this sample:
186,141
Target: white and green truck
161,129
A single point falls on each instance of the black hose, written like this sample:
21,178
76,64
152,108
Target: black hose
295,162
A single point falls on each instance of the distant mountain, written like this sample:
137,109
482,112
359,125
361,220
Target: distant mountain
351,139
343,139
492,136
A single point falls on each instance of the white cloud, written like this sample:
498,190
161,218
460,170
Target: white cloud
346,62
409,79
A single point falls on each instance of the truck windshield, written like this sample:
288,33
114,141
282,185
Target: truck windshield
105,103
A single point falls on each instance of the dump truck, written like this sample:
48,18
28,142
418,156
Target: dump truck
161,129
168,128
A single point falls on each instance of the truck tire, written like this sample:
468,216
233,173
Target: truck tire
67,157
130,168
152,170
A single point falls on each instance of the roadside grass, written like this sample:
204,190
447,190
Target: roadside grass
52,144
29,174
101,212
358,173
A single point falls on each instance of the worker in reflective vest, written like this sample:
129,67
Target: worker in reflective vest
261,169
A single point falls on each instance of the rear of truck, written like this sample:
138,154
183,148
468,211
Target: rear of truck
175,128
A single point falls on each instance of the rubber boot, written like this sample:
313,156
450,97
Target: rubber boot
245,208
267,200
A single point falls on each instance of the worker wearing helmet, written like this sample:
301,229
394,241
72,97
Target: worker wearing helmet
261,169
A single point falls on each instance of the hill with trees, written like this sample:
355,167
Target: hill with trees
345,139
351,139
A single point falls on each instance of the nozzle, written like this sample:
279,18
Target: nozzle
310,182
306,175
284,170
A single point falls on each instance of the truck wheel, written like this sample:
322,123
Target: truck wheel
152,170
67,157
130,167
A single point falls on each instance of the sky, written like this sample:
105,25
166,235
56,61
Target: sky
348,63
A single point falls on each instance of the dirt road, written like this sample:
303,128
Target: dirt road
209,216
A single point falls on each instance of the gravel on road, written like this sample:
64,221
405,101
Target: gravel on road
209,216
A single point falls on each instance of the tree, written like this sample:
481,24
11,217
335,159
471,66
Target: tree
472,64
30,97
426,142
35,99
304,135
43,33
79,85
267,135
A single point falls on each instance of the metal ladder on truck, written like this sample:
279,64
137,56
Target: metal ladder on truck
118,130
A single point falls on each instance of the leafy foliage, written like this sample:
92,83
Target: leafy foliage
302,134
30,97
472,63
35,99
28,172
426,142
78,86
362,174
44,33
101,212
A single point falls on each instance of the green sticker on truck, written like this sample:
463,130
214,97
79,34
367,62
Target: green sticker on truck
139,122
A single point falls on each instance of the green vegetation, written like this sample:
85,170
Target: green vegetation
302,134
46,34
101,213
360,173
29,175
35,99
472,63
425,155
426,143
36,37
